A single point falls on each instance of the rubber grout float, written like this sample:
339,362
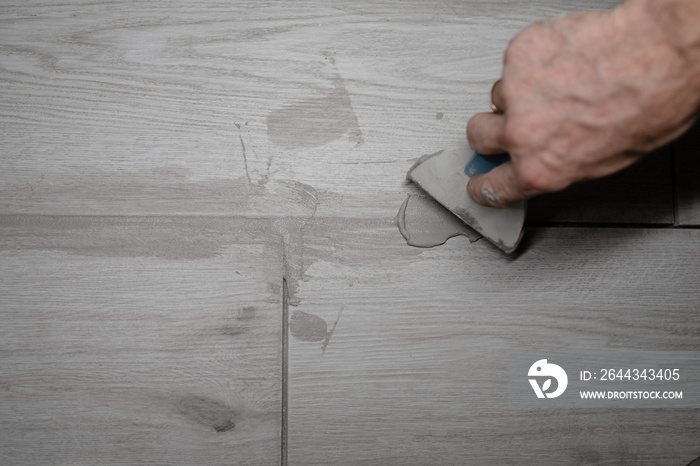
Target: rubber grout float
444,176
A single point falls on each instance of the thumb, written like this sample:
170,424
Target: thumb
498,188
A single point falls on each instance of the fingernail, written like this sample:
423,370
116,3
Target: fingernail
490,194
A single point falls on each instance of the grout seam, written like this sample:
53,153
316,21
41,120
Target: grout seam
285,371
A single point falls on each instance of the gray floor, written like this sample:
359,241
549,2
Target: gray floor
199,261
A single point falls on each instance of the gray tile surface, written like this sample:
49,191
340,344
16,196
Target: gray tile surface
165,166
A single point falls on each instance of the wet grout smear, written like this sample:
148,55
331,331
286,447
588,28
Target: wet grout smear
308,327
424,223
316,121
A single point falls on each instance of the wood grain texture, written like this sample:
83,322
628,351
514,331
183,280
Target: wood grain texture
415,367
163,165
128,341
687,158
241,108
641,194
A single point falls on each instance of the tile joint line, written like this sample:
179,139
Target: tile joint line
285,370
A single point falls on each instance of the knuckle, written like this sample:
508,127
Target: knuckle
536,177
472,132
524,39
516,50
517,136
533,180
477,132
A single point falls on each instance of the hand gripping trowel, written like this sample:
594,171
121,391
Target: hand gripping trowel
445,174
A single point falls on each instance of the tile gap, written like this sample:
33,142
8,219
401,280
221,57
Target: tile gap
285,370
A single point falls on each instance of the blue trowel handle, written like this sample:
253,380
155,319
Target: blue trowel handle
480,164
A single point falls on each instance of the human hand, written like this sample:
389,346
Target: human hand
583,96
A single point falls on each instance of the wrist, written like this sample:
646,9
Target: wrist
675,24
675,20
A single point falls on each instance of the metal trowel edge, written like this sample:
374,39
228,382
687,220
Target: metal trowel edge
443,177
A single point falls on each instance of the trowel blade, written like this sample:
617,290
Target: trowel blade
442,176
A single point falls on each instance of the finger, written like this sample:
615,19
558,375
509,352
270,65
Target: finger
498,105
485,133
498,188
